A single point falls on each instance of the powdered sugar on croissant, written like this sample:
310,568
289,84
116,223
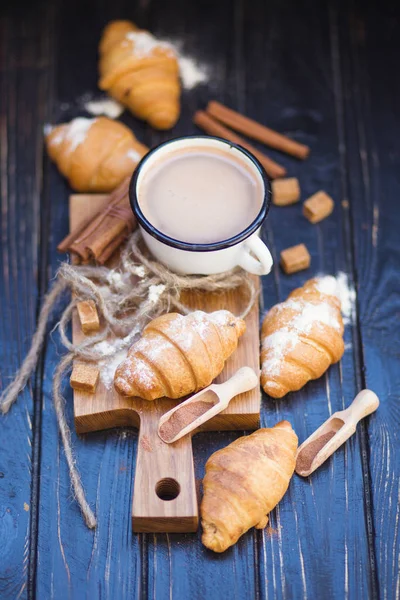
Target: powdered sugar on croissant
178,355
301,337
96,155
141,72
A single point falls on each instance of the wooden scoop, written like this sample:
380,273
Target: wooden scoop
201,407
333,433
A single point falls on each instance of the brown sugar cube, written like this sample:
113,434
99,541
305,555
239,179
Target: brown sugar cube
296,258
285,191
88,316
318,207
84,377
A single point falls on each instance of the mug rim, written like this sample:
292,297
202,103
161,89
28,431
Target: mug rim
200,247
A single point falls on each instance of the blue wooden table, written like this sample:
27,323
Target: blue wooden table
326,73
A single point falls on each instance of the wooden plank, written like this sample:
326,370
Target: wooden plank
290,88
23,103
75,562
372,124
323,516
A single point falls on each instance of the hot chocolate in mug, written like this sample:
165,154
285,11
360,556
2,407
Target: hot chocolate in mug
200,202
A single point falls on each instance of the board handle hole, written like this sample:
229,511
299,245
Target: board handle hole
168,489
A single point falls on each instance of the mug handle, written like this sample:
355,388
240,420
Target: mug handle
262,264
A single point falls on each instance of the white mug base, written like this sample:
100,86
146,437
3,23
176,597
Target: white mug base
187,262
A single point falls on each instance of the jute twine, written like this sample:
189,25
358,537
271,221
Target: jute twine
125,309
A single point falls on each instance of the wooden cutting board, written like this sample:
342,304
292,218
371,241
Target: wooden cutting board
164,497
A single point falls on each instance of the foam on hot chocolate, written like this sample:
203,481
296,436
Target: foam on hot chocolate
201,195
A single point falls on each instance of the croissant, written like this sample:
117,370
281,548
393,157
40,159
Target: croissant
244,482
178,355
95,155
141,72
301,337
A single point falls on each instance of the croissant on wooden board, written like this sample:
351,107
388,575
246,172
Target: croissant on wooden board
178,355
301,337
244,482
141,72
95,155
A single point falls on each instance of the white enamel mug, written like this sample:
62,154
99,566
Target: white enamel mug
245,249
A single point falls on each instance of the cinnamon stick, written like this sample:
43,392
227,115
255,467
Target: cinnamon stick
256,131
101,235
111,248
65,244
213,127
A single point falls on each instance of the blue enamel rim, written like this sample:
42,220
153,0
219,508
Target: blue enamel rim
232,241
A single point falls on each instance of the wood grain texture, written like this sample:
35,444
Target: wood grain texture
73,561
284,561
305,526
24,98
371,121
326,74
157,461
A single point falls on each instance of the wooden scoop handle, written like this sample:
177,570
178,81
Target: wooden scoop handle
365,403
242,381
164,496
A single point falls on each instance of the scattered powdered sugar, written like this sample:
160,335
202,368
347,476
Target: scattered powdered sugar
155,292
114,278
296,305
104,106
57,138
148,349
340,287
77,131
309,313
179,331
105,348
119,281
144,43
192,72
315,313
280,342
109,366
139,270
133,155
138,369
285,339
141,370
95,105
139,366
182,335
151,348
347,296
223,317
112,353
327,284
201,323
